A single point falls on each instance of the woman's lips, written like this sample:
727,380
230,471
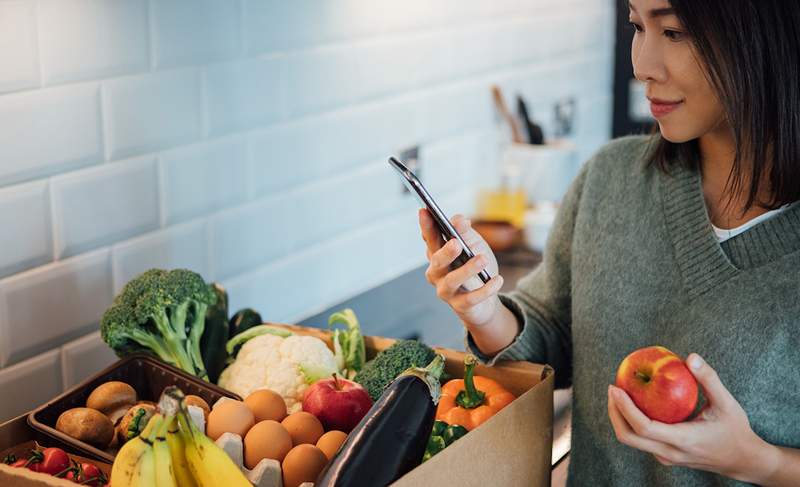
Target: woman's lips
662,108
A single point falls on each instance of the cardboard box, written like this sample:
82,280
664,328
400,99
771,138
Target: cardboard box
513,448
17,437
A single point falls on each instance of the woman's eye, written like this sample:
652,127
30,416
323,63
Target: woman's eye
674,35
635,26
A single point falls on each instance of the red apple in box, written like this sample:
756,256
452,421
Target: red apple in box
338,403
659,383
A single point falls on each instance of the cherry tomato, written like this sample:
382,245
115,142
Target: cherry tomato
19,463
54,461
91,472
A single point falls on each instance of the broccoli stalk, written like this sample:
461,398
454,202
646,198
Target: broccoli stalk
163,313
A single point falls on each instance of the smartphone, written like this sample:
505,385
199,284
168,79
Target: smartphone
446,229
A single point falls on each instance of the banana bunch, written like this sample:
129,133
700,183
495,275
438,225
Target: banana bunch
172,452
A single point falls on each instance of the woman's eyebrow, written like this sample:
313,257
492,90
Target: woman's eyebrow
656,12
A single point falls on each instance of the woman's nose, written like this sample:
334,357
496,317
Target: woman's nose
648,62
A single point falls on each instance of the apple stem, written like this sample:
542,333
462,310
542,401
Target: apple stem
336,381
641,376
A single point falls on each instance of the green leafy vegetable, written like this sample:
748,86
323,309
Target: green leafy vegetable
163,313
348,343
388,364
253,332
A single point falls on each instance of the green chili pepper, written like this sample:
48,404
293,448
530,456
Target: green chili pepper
435,445
438,428
453,432
442,436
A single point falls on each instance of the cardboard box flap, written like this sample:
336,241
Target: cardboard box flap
22,477
512,448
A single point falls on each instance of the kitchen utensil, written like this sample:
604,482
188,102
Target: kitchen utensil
535,134
500,103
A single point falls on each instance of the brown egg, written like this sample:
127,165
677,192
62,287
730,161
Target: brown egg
229,417
192,400
266,404
302,464
267,439
303,427
330,442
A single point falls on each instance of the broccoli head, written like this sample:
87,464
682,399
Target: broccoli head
388,364
163,313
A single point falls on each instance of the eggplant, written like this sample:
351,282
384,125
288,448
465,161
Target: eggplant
242,320
391,439
215,335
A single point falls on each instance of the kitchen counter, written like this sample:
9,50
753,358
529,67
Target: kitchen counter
514,265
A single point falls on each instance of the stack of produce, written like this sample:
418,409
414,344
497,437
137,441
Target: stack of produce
310,411
268,434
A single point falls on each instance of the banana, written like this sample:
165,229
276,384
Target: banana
164,474
127,465
210,465
183,476
145,473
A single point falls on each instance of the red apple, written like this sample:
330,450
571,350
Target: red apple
659,383
338,403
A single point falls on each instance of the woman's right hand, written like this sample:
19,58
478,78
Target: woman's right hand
475,308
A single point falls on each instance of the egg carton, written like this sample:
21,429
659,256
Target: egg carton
267,473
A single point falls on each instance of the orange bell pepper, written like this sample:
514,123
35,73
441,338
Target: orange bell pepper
471,401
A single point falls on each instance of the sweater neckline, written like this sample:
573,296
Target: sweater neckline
705,263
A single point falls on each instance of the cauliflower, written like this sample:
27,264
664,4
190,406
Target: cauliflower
284,365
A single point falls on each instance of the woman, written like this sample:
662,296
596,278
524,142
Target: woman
688,239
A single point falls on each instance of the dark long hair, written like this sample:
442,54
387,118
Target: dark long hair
751,51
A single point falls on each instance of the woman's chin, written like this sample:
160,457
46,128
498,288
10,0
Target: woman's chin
674,134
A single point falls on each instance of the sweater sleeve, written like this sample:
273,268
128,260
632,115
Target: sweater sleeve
542,301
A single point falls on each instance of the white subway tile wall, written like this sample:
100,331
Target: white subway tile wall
84,357
101,205
111,38
246,140
45,132
32,242
18,47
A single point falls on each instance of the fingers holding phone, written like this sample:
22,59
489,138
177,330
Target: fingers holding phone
449,277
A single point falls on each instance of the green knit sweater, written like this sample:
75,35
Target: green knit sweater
632,261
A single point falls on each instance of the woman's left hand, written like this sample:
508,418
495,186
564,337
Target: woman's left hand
718,440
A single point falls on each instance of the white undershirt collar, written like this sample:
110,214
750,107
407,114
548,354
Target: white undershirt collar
727,234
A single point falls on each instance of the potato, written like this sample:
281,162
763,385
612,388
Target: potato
87,425
112,399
